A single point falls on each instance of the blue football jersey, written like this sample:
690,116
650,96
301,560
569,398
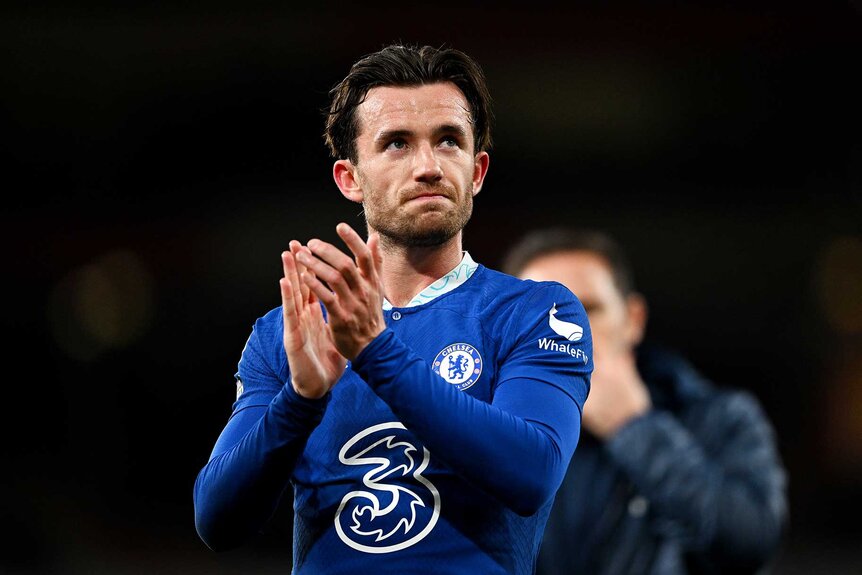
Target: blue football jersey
442,445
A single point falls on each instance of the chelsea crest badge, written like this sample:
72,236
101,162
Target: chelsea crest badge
459,364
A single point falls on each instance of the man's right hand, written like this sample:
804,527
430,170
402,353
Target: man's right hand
617,392
315,363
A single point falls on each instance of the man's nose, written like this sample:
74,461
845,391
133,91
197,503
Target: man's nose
426,167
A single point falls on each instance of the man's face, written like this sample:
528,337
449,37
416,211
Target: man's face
415,163
589,277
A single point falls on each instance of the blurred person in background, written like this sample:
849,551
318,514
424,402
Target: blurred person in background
672,474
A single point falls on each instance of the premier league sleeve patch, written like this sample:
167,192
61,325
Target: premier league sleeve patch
459,364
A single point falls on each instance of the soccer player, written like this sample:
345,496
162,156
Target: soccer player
673,475
423,407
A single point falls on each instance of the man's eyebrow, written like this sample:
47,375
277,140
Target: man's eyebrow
387,135
451,129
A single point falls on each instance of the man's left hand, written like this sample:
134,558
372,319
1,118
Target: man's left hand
354,296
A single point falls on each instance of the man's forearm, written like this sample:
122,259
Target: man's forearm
516,449
239,488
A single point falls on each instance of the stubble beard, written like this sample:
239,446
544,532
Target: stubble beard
411,232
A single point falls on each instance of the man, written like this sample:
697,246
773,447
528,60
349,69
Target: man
423,407
672,475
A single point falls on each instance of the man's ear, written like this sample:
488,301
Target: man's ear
480,169
636,318
344,173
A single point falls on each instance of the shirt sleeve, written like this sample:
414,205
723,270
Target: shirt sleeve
527,434
239,488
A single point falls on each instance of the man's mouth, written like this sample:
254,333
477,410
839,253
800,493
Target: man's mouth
429,195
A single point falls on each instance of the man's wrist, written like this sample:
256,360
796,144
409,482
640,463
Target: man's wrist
304,397
627,417
368,350
628,408
307,393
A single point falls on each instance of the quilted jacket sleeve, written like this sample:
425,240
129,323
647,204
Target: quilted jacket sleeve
714,480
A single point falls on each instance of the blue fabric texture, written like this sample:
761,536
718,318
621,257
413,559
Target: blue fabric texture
439,450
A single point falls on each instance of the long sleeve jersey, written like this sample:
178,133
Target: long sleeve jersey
439,449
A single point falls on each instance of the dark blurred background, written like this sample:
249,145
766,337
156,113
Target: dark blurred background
156,160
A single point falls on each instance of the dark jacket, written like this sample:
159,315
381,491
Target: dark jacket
694,486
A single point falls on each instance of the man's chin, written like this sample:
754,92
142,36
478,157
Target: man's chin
421,238
428,228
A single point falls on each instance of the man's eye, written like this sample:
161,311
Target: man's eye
450,142
397,144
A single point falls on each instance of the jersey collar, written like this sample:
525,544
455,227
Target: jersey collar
447,283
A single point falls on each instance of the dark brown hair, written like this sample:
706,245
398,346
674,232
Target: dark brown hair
398,65
556,240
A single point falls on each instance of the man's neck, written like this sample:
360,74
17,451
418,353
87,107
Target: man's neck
409,270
